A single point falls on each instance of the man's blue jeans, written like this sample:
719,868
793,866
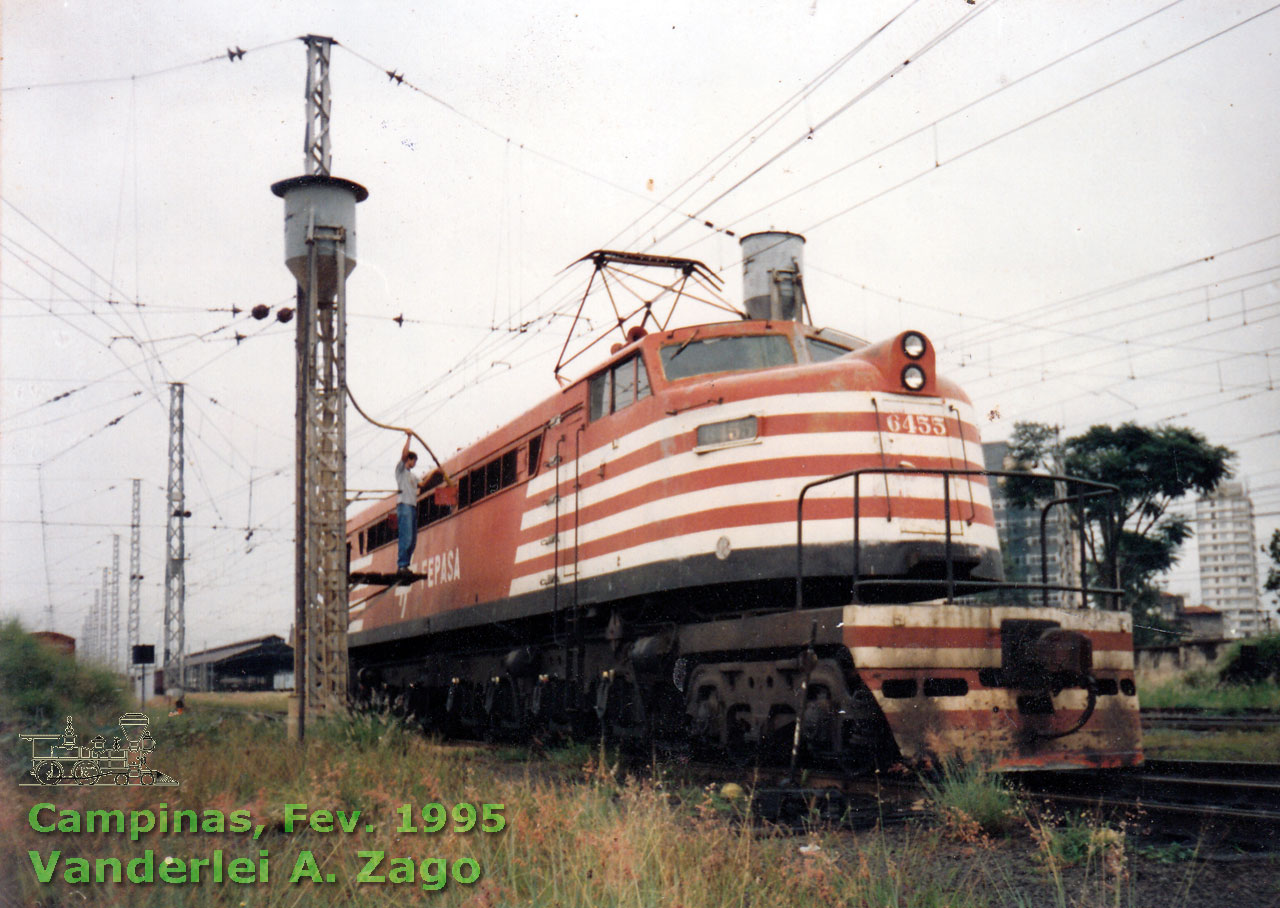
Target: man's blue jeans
405,517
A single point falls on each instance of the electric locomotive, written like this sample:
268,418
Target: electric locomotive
753,536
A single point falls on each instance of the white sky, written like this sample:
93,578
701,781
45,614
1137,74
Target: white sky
1051,238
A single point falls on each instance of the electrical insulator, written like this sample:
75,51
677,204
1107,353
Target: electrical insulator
260,311
284,315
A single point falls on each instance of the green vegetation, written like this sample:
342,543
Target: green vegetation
1252,662
1201,689
1248,746
972,802
1099,851
1153,467
40,687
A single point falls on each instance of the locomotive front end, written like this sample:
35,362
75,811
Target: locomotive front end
1014,687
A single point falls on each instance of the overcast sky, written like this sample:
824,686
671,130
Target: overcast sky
1076,201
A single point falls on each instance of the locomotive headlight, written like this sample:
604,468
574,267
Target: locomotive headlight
913,378
913,344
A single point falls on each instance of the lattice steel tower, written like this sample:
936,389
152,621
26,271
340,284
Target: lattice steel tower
175,586
113,659
320,251
134,631
104,619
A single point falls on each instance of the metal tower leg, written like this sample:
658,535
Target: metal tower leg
113,658
175,623
134,630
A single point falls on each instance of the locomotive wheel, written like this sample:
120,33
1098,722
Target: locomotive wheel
48,773
84,772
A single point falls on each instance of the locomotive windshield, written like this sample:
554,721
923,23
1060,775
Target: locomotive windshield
726,354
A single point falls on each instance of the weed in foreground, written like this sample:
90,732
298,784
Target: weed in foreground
1096,848
972,802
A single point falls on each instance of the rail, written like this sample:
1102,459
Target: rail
1080,491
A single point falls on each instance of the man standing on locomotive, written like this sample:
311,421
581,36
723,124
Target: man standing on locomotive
407,505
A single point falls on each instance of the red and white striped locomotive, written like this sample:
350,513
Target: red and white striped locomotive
660,551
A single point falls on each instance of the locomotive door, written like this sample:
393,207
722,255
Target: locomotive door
925,433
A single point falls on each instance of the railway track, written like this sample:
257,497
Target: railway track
1217,803
1190,719
1225,802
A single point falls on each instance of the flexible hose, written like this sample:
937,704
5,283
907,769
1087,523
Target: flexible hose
421,441
1091,686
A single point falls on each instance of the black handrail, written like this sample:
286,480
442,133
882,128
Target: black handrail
1087,488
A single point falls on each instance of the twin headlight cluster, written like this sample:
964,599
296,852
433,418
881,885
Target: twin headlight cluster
914,346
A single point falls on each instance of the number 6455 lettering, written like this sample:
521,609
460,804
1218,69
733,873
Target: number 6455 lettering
916,423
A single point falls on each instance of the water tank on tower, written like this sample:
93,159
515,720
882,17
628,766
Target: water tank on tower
328,204
772,279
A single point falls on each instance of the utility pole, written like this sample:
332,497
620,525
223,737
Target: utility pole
104,619
320,251
113,661
133,634
175,621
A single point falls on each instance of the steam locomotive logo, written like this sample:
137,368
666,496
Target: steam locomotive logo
60,760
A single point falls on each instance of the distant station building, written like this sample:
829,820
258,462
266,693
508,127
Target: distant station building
1019,531
1203,623
263,663
1228,569
60,642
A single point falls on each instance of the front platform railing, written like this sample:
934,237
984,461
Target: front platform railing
1079,493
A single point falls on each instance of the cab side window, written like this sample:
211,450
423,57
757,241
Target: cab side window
618,387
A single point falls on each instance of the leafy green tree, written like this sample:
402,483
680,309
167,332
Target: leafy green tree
1273,572
1152,467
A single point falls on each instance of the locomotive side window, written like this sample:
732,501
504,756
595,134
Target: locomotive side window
380,533
492,477
429,511
600,390
821,351
624,384
726,354
535,454
618,387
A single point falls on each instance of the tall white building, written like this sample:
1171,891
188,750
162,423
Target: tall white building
1228,567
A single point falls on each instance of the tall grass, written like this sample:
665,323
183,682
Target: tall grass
575,837
1202,690
971,802
593,841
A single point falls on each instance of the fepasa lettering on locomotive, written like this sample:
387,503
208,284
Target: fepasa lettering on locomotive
443,567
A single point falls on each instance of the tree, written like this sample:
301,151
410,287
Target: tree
1273,572
1152,467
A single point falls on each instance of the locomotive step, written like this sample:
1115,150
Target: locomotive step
384,578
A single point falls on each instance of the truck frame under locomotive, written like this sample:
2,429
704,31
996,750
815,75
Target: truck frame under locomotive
747,536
